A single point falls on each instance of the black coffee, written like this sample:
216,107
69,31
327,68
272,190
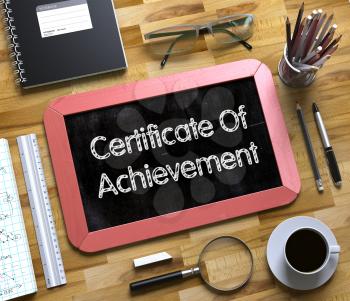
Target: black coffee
306,250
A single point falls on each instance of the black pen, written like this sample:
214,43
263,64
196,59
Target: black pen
332,162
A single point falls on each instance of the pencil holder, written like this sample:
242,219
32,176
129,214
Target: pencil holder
293,76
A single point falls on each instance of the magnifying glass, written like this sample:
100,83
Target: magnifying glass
225,265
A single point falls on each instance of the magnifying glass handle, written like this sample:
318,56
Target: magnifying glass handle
134,286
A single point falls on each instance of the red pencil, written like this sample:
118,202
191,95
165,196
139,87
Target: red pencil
323,31
314,59
331,45
301,47
289,47
328,37
321,61
330,51
310,36
297,23
296,43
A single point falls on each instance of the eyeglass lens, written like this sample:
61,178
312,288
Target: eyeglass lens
226,264
233,29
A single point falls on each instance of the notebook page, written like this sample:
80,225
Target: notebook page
16,270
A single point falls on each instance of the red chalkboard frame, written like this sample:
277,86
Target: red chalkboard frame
67,182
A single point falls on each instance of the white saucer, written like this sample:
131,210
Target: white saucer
275,254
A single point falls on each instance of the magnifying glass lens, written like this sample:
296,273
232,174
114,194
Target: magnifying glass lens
226,263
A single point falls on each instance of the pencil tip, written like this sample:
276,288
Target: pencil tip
314,108
298,106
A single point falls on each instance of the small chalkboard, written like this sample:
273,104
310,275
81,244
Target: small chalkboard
165,150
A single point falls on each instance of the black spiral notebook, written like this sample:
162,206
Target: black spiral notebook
53,41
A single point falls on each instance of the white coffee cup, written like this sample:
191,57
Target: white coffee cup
304,240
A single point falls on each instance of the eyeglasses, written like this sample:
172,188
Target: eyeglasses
182,38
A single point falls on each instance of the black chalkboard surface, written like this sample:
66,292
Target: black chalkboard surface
149,199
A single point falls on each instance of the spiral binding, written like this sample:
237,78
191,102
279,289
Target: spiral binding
13,42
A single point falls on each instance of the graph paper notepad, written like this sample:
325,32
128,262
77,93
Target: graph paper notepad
16,270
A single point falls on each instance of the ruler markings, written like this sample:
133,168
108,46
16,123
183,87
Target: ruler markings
50,252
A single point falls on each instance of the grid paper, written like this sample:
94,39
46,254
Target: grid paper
16,269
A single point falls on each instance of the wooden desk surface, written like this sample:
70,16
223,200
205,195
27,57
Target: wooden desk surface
105,276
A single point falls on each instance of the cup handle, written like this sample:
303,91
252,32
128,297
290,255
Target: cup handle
334,249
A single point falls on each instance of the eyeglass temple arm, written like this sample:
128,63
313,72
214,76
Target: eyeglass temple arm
165,34
171,46
240,40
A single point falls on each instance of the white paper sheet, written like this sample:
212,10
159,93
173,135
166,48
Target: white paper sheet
16,269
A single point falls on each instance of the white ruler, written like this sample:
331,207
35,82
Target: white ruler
45,230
